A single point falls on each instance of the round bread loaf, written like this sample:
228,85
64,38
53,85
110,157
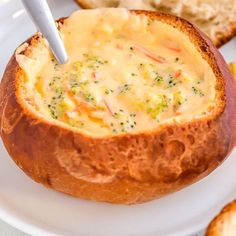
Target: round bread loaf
128,167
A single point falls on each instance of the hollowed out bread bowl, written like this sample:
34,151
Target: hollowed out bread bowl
144,107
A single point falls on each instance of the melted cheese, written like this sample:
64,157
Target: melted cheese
125,74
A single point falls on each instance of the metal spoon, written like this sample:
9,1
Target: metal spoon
43,19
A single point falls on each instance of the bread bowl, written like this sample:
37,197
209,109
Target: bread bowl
179,107
224,224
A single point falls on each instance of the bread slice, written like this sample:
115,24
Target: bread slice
215,18
224,224
130,166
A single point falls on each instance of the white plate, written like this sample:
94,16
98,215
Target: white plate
39,211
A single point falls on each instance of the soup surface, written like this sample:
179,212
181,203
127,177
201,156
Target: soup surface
126,73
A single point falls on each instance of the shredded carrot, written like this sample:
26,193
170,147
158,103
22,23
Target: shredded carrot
173,49
108,108
66,116
94,75
87,108
119,46
177,74
83,105
149,54
96,119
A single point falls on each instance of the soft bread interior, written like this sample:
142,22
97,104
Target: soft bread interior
126,73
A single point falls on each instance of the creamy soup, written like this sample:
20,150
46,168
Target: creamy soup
126,73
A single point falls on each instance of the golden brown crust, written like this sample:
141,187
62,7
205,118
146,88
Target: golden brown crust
86,4
220,225
83,4
130,168
226,36
219,41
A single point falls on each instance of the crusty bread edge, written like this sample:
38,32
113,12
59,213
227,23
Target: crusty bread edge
45,167
83,4
228,35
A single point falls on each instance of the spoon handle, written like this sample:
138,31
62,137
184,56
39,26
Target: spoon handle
42,17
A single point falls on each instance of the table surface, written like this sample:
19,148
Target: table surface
7,230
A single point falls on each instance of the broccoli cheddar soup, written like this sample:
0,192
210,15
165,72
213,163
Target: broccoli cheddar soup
126,73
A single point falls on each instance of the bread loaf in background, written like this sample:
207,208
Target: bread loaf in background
224,224
215,18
